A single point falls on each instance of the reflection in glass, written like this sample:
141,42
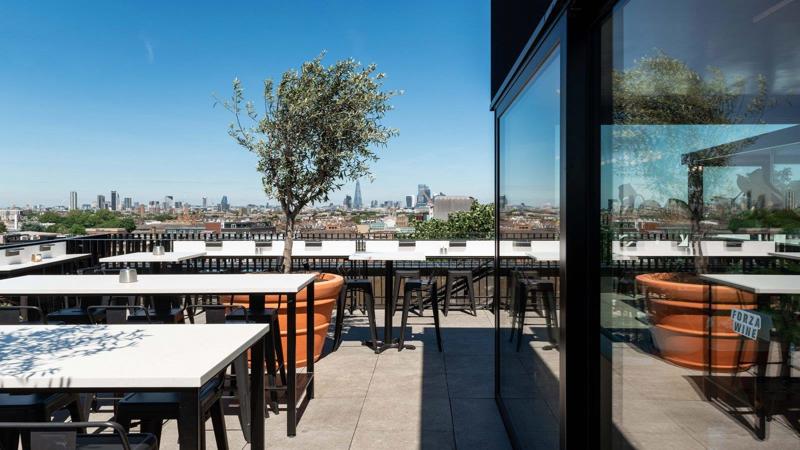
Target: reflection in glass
530,144
700,145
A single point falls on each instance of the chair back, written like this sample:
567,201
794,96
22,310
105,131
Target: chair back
64,434
12,315
216,314
118,314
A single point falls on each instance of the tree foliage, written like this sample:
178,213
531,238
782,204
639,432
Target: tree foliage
3,228
76,222
317,131
477,223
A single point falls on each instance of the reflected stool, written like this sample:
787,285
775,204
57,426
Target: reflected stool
453,276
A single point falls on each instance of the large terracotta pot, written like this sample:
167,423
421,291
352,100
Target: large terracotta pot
676,306
326,291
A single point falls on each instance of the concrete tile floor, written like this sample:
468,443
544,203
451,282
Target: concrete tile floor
414,399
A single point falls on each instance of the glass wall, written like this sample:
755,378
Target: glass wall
700,186
529,133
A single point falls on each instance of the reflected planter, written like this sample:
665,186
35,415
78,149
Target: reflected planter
326,292
677,306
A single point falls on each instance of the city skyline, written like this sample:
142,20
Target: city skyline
141,120
116,202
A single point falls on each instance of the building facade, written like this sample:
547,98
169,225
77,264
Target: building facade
73,201
681,115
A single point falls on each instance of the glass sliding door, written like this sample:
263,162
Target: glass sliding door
700,177
529,146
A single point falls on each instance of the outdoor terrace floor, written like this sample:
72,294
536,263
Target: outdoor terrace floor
397,400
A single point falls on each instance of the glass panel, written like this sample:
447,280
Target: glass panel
700,149
530,144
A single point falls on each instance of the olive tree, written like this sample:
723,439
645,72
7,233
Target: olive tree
318,130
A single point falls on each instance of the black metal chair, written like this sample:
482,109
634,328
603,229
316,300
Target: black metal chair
420,287
56,435
453,277
153,408
30,407
21,315
221,314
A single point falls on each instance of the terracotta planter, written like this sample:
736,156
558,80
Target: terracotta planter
676,306
326,291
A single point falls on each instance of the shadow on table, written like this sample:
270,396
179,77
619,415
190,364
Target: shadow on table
42,345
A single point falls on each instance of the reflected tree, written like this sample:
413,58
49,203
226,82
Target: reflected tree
660,90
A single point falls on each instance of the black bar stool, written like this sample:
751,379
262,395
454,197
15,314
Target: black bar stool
419,287
453,276
351,288
401,275
537,289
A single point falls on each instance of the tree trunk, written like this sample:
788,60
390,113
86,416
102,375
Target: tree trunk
288,243
696,211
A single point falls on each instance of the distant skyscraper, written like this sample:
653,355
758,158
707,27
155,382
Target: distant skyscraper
169,202
223,205
114,200
357,203
423,195
127,203
205,203
409,201
348,202
101,202
73,201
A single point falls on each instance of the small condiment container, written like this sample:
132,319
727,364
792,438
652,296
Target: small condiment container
127,276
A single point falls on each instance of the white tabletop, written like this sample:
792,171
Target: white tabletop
120,356
400,255
786,255
759,284
272,253
44,262
156,284
149,257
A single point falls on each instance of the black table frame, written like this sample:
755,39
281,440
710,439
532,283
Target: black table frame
190,400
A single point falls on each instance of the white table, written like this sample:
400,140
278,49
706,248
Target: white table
254,285
786,255
11,269
156,261
133,358
762,286
758,284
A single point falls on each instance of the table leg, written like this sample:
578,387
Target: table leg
310,339
388,302
243,392
291,375
191,423
257,395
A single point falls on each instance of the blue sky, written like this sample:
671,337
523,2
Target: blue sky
118,95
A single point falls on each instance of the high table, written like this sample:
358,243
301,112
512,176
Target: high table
134,358
786,255
388,258
156,261
257,286
62,260
762,286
